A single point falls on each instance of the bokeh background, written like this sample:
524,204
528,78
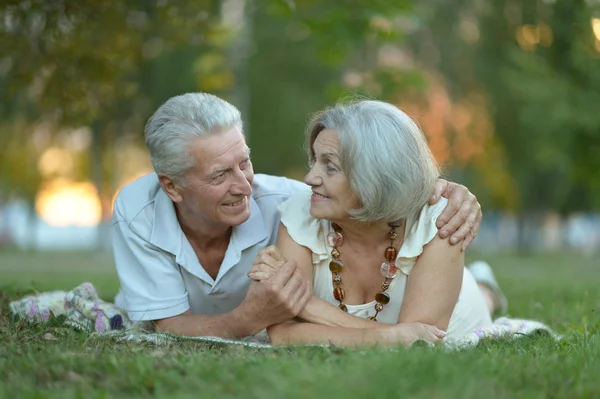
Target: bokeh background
507,92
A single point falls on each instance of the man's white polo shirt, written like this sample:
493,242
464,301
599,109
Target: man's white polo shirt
159,272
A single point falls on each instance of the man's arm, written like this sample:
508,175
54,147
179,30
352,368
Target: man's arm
151,284
270,301
153,290
234,324
462,215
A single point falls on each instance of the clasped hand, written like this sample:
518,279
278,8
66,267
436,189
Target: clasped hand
267,263
270,261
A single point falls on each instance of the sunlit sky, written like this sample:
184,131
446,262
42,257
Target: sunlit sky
65,201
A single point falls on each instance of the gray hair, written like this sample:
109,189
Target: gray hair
179,120
385,157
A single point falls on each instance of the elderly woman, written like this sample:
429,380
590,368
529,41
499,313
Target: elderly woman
367,238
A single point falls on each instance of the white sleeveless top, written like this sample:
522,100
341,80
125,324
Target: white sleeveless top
470,312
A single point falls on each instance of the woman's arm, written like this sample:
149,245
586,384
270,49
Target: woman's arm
434,284
327,324
292,332
317,310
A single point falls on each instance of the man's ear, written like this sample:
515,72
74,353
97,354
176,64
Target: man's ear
172,189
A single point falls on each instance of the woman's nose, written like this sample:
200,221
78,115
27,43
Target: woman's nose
312,178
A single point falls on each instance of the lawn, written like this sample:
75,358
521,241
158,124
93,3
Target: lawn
562,290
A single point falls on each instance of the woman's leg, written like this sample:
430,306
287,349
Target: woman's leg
491,299
492,294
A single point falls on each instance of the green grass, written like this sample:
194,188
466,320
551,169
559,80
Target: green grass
562,290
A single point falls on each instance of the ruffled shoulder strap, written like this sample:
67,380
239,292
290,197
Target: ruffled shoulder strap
302,227
421,233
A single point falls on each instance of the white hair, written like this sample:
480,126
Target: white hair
179,120
385,157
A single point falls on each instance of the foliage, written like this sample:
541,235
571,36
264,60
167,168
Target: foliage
306,55
73,63
79,60
518,81
539,65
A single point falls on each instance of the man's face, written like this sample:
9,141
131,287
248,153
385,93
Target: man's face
219,186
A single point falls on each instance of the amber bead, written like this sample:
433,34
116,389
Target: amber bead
338,293
390,253
378,307
382,297
335,253
336,266
343,307
393,235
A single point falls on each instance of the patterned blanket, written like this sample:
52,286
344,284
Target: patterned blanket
84,310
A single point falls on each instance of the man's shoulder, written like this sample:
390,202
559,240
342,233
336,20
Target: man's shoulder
135,197
267,186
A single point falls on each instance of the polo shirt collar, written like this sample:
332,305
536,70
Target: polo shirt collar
167,235
252,231
244,236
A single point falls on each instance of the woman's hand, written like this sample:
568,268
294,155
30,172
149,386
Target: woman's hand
266,263
462,215
407,333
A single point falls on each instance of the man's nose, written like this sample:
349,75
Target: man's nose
241,185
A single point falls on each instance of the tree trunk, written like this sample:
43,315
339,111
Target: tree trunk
97,170
236,16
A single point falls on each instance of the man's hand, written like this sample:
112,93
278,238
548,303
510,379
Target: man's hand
268,261
278,298
462,216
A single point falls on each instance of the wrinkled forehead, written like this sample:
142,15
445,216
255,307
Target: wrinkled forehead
219,149
326,141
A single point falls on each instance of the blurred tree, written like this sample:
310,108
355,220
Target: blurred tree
108,64
305,55
538,64
101,64
76,59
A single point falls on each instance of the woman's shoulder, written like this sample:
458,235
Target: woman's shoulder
301,226
296,208
423,230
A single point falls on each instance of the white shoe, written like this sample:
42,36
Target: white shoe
483,274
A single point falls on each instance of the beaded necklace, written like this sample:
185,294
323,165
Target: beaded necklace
388,270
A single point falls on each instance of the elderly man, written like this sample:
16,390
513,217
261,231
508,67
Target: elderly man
185,237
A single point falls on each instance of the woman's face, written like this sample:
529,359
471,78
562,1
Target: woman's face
332,196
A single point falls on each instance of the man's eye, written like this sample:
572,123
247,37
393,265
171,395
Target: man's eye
245,163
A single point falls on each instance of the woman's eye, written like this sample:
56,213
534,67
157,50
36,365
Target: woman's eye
331,168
